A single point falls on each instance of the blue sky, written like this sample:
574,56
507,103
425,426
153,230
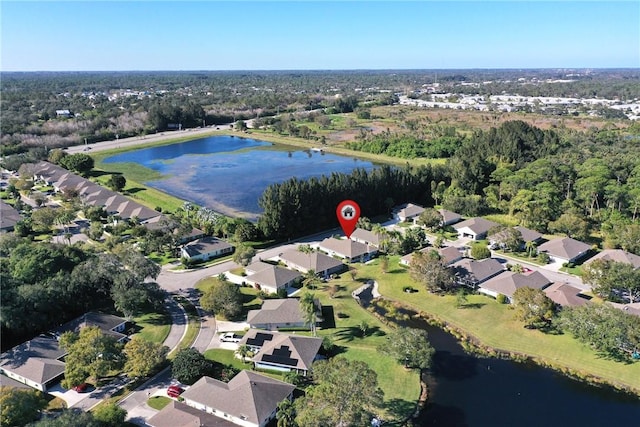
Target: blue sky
277,35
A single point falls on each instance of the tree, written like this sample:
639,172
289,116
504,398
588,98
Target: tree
409,347
70,418
430,219
461,298
533,307
189,366
110,415
428,269
345,393
531,248
244,254
222,298
89,353
143,357
135,297
20,406
509,238
384,263
480,251
571,225
308,306
244,351
43,219
608,330
286,414
81,163
613,280
117,182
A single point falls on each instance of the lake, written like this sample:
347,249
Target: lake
470,391
229,174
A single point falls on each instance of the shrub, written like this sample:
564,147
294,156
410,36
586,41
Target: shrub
501,299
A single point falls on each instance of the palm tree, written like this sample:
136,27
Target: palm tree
530,247
286,414
308,305
244,352
310,279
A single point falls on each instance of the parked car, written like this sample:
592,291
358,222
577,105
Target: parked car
81,388
230,337
174,391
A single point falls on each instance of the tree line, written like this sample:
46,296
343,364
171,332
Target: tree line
297,207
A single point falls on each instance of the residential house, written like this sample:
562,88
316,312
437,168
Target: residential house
323,265
109,324
206,249
366,237
448,217
565,295
348,250
526,234
64,113
474,228
471,272
280,314
270,278
177,414
508,282
407,212
282,352
448,255
39,363
9,217
36,363
249,399
617,255
564,249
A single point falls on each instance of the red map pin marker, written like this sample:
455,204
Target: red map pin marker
348,213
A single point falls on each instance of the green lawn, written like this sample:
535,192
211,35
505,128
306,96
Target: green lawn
226,357
158,402
401,387
494,326
154,326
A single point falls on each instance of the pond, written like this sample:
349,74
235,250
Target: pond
471,391
229,174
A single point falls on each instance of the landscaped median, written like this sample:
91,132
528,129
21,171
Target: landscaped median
493,325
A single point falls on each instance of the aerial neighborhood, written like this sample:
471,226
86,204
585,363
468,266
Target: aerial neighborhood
145,282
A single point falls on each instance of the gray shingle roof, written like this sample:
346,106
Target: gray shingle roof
565,247
276,311
449,216
206,245
346,247
477,271
477,225
365,236
177,414
315,261
8,216
409,210
617,255
508,282
273,276
291,351
248,395
565,295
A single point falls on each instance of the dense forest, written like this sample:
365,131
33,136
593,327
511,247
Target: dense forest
585,185
296,207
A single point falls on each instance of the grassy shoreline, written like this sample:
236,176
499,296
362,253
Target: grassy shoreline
492,325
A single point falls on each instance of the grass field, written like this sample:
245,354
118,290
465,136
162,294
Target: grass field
158,402
494,326
401,387
154,326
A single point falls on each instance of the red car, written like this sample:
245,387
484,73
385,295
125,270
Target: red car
174,391
81,388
